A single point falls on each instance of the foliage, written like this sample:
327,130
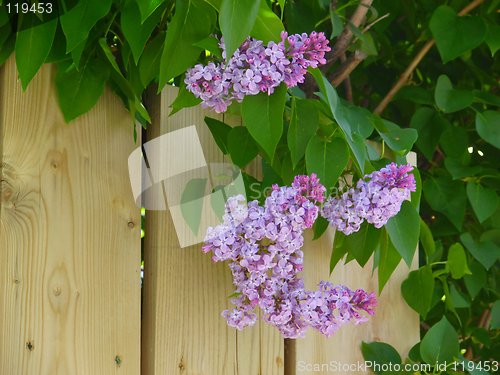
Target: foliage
451,101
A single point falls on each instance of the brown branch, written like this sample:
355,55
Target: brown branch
347,82
347,67
403,80
344,40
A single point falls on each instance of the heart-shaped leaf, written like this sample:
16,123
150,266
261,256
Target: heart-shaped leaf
457,261
327,159
440,343
417,290
488,127
455,35
449,99
484,201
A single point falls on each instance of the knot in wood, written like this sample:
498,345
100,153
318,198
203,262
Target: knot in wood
8,190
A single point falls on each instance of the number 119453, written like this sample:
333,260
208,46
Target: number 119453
29,8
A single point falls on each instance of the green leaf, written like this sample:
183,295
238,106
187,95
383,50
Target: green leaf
426,239
327,159
353,119
493,38
344,117
384,355
236,20
220,131
397,138
33,44
79,20
458,170
484,201
5,32
430,125
495,315
449,99
7,48
416,195
319,227
485,252
486,97
367,44
404,230
415,94
263,116
210,44
79,90
214,3
417,290
148,7
440,343
337,24
135,31
455,35
458,300
4,16
241,146
437,192
475,282
389,259
457,261
193,21
330,96
361,244
338,250
454,141
184,99
149,64
303,125
488,127
268,25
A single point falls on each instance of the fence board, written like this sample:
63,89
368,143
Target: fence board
69,236
183,331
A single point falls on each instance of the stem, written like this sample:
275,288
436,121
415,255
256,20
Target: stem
345,38
403,80
347,67
347,82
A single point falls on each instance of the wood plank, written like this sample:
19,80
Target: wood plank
394,322
185,293
69,236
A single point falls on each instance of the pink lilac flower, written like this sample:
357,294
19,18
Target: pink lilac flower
264,247
376,198
255,68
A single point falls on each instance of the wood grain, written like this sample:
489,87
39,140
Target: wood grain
185,293
69,236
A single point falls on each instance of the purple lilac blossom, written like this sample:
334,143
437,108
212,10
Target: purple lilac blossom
376,198
255,68
264,247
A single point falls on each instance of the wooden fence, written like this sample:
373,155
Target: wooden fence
70,252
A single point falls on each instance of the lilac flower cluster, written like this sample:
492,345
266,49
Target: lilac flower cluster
376,198
263,245
255,67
